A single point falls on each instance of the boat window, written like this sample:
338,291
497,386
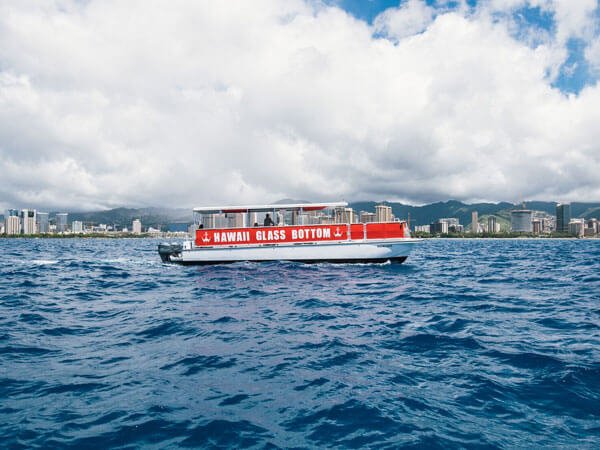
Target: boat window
279,217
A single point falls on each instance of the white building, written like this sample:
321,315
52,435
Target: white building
367,217
577,227
12,225
349,215
422,228
383,213
474,222
28,221
441,226
77,226
493,226
345,215
593,227
136,226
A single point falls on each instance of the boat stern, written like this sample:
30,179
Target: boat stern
170,252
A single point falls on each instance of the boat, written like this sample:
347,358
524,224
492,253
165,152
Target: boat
301,232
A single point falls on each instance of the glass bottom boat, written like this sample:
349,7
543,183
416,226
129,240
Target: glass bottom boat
325,232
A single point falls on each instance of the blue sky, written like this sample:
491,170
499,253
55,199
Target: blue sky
575,73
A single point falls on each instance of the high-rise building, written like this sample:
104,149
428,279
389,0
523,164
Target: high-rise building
593,226
446,225
474,222
136,226
493,226
12,223
439,227
521,221
367,217
77,226
61,222
563,217
43,222
537,226
345,215
383,213
349,215
548,224
577,227
12,226
28,221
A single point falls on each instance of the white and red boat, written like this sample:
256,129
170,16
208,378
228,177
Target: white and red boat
303,232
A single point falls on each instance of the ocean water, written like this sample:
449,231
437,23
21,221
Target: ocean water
469,344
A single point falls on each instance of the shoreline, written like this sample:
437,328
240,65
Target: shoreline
178,236
90,236
501,236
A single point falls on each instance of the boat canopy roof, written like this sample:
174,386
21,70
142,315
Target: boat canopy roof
269,208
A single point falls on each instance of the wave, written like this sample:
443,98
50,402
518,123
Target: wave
468,344
199,363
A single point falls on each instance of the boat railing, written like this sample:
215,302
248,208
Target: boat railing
364,224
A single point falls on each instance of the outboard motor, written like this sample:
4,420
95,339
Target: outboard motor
166,250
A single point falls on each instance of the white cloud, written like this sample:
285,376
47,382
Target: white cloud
106,103
410,18
592,55
574,18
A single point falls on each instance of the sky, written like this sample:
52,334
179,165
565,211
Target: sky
107,103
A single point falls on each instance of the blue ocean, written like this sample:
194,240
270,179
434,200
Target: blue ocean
469,344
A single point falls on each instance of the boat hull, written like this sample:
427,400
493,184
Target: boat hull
396,260
394,250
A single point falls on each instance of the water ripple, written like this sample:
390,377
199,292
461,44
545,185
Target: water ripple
469,344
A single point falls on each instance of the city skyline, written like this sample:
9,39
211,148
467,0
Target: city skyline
409,100
519,218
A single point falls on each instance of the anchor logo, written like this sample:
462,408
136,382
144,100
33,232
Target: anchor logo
337,232
205,238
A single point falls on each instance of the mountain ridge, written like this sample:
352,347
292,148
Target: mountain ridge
161,217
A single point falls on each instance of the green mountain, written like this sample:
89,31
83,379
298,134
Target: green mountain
426,214
122,217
